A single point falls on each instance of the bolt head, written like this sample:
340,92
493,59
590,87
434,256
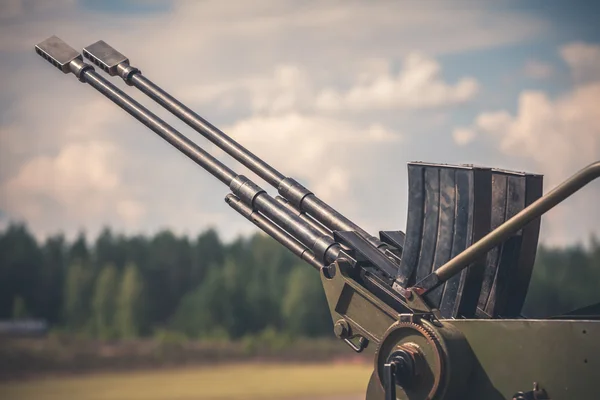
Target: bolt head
328,271
341,329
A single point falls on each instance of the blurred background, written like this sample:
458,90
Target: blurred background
123,273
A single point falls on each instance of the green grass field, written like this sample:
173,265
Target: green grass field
226,382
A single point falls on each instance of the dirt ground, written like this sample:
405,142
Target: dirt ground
224,382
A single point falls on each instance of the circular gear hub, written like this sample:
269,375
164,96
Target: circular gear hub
424,350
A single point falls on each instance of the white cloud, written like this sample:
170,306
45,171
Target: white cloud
463,136
583,60
82,181
313,148
321,33
417,85
348,165
559,135
289,90
556,137
538,69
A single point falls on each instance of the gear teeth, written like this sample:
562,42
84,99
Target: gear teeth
422,329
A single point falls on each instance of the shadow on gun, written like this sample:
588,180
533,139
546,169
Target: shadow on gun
442,301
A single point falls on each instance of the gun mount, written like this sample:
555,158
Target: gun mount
442,301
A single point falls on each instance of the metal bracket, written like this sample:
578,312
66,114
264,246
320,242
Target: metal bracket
363,342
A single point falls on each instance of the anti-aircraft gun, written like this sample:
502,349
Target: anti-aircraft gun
441,302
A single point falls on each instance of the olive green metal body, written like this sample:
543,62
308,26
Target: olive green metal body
471,358
561,356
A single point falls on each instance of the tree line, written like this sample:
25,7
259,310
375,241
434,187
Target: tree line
123,287
119,286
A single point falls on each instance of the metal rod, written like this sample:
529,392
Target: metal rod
68,60
513,225
115,63
273,230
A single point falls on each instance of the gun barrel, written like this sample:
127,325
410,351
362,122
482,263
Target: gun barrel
273,230
58,53
303,216
113,62
173,137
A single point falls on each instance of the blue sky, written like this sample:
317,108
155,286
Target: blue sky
126,6
310,86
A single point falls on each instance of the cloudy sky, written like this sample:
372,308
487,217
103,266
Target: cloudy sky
339,95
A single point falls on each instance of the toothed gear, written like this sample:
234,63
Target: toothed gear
421,340
423,329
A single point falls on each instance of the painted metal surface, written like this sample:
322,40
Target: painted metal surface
562,356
